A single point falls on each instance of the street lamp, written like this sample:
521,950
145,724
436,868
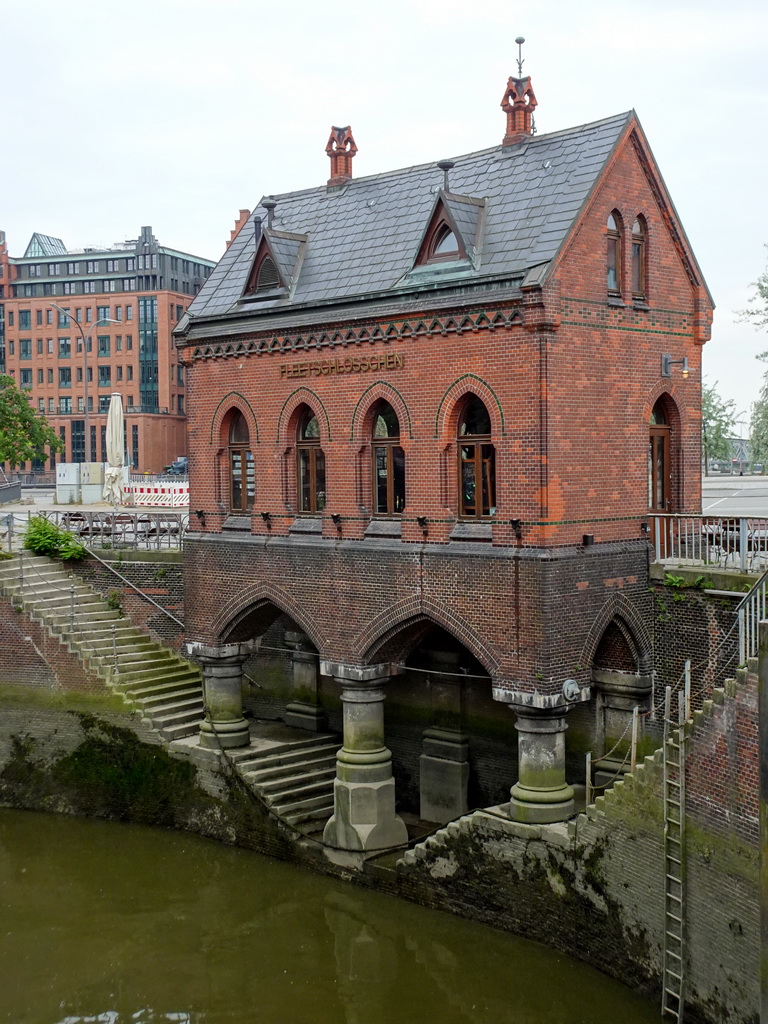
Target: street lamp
85,338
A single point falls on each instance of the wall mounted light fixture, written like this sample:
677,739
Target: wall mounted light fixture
336,520
200,515
667,362
267,517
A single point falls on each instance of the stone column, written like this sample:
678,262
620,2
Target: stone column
541,794
616,696
444,763
364,818
304,711
224,725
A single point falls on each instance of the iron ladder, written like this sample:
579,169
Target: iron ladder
673,989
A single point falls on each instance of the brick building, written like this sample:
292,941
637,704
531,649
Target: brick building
431,411
122,303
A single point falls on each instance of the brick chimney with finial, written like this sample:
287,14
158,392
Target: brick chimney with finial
341,149
518,103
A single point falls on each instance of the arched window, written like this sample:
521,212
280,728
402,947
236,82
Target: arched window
477,470
242,478
638,259
614,254
388,462
444,244
310,463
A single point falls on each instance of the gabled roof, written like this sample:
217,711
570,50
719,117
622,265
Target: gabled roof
286,250
45,245
363,236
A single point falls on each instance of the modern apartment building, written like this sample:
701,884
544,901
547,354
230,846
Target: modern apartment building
78,325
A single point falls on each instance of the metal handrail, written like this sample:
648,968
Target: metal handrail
137,589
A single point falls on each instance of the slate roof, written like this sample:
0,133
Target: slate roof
363,238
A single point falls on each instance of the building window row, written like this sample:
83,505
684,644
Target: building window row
616,256
476,462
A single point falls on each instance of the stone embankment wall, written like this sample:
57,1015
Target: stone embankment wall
159,574
595,887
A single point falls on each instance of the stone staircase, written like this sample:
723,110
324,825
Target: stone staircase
291,772
288,769
434,843
163,686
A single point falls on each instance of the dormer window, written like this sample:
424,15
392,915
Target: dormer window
440,244
445,245
267,276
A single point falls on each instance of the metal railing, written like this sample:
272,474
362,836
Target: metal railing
751,610
141,531
723,541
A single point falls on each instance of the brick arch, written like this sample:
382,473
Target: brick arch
255,598
673,400
405,617
468,383
234,400
301,396
379,389
618,610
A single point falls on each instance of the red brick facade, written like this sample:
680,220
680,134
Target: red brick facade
569,375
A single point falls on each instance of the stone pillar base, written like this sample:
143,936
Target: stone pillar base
305,716
540,806
364,816
224,735
444,775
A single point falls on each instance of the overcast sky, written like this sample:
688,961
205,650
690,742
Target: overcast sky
177,113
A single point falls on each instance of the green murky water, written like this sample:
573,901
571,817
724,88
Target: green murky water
114,923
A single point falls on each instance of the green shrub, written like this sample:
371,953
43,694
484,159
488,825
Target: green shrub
45,538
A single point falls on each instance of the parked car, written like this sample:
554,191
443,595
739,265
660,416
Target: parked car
179,467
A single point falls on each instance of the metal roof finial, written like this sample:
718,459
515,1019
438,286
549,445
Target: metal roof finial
445,166
520,40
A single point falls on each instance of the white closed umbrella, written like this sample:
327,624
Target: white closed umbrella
113,474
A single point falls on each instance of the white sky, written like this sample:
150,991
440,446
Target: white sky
177,113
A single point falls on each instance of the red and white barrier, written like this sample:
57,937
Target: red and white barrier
159,495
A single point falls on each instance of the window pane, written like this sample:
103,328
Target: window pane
310,431
398,483
305,480
386,423
638,285
468,480
446,245
382,478
237,480
319,479
475,420
250,481
489,481
613,264
238,429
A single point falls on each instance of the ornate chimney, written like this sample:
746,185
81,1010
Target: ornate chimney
518,103
239,223
341,149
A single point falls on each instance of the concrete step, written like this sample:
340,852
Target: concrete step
85,620
136,673
163,684
193,691
319,813
55,596
289,808
126,642
288,752
134,659
299,783
163,720
314,758
178,732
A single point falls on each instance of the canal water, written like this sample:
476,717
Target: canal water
118,924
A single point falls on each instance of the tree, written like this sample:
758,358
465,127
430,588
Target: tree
24,434
756,311
717,421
